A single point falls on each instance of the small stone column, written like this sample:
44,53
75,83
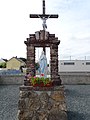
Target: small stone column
54,64
31,60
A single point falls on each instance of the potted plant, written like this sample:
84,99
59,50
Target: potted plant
40,81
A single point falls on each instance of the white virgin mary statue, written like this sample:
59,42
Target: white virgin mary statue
43,65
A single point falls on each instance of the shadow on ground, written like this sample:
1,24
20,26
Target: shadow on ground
71,92
75,116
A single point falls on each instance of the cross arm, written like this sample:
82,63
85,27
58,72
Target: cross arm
44,15
54,16
35,15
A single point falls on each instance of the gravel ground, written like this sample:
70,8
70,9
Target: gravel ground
9,95
77,98
78,102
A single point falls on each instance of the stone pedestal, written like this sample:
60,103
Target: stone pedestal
42,103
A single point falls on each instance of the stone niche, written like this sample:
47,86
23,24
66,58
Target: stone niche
37,40
42,103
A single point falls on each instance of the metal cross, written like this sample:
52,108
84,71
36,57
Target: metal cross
44,17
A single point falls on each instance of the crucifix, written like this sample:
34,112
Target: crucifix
44,17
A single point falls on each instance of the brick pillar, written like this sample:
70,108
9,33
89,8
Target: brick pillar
54,64
31,60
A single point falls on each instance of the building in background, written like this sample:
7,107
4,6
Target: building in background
74,65
15,63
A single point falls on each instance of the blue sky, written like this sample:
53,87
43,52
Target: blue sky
72,27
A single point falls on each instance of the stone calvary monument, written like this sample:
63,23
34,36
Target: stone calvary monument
45,100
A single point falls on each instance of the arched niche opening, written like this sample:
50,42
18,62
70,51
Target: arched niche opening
38,52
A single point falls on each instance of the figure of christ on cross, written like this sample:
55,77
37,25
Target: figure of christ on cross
44,17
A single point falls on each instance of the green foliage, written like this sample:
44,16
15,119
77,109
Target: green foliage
3,65
33,80
36,66
38,80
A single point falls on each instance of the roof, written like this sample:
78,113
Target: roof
19,59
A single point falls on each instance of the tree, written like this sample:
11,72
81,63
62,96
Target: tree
3,65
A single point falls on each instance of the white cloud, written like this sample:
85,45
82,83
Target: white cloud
72,27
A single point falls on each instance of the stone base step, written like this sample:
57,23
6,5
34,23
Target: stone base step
43,104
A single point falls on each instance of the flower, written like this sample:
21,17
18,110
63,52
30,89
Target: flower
42,74
40,81
35,77
28,76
